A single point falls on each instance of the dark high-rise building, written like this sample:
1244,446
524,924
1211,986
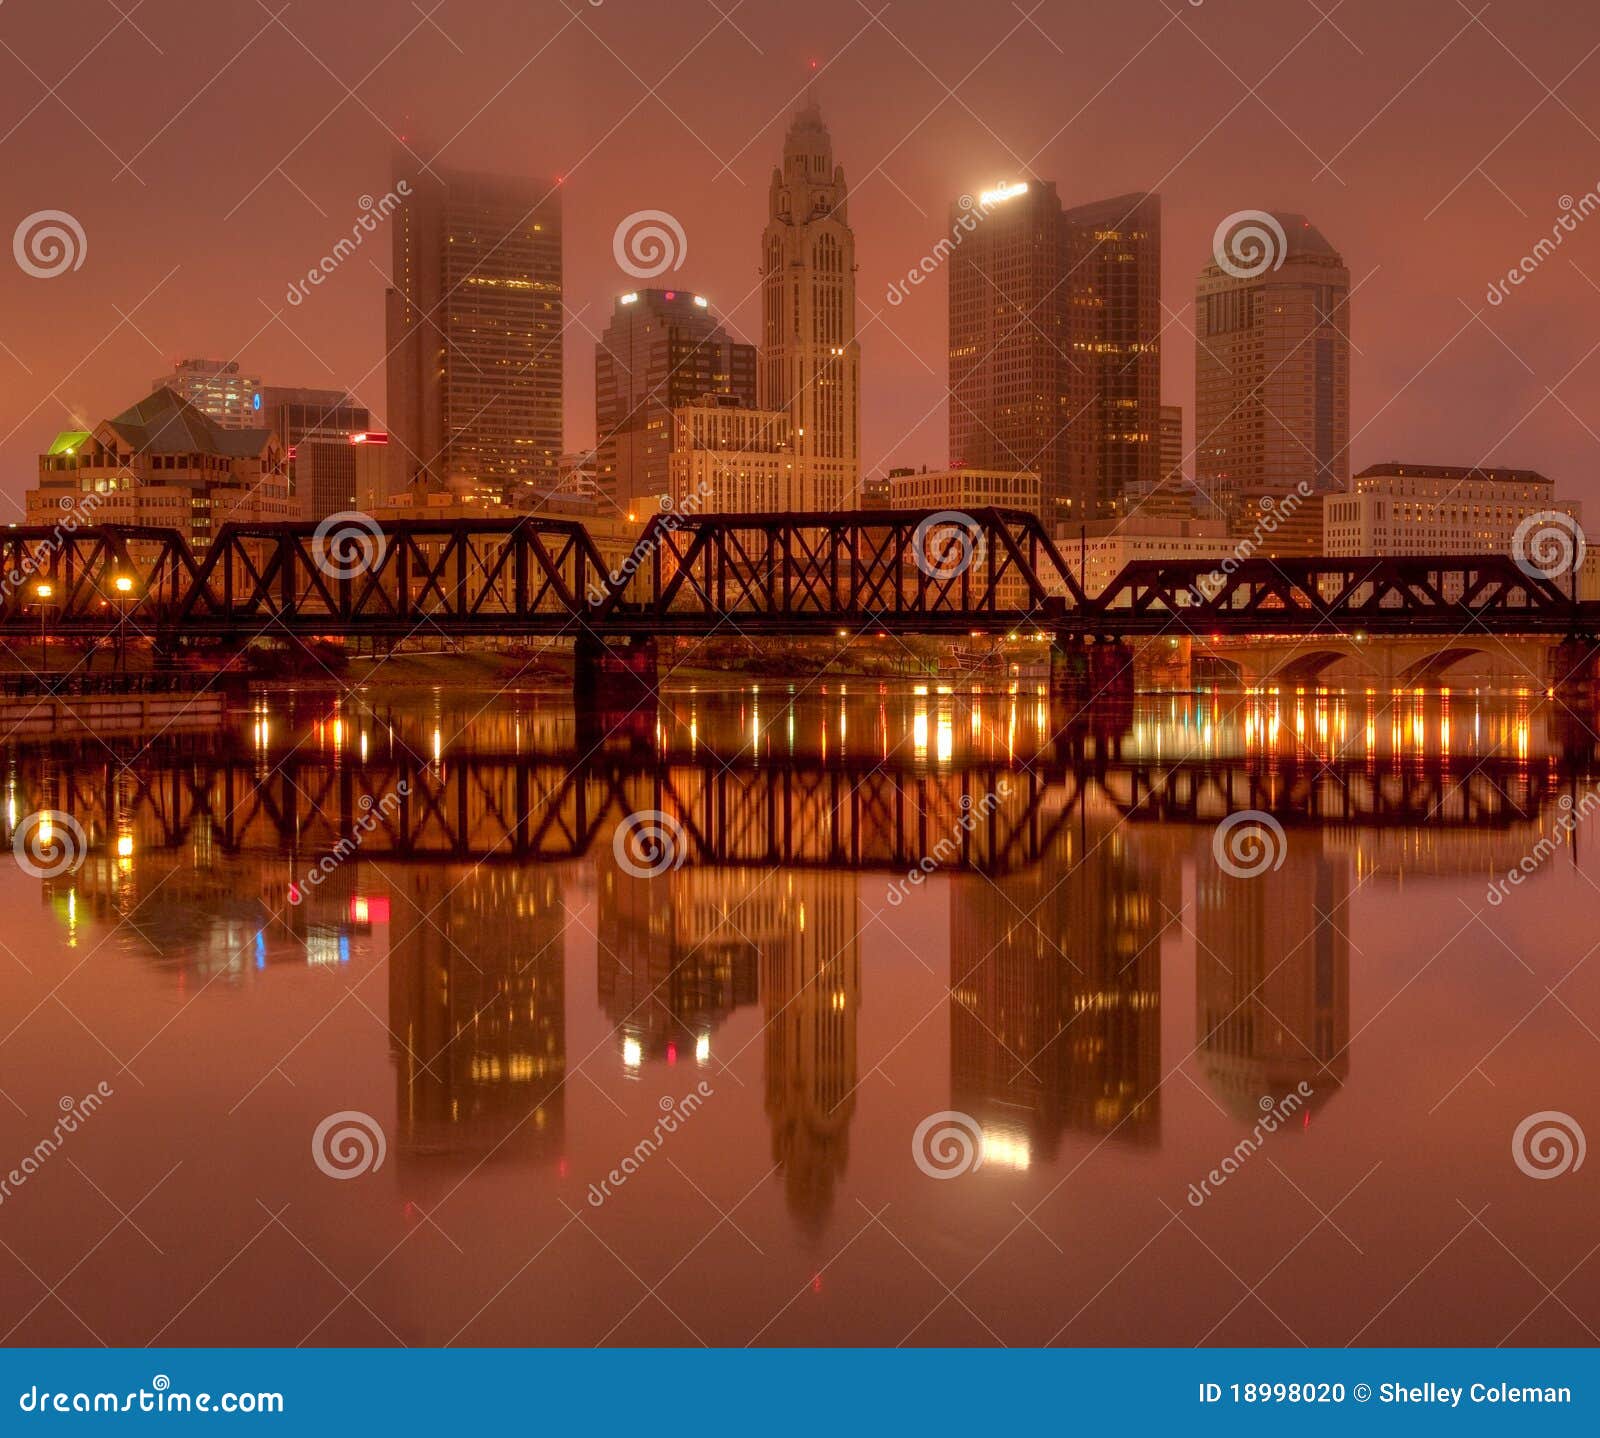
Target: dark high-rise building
1112,264
1055,365
316,427
663,349
474,334
1008,338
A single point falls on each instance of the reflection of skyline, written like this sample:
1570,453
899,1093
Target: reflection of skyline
811,980
477,1012
1272,977
1055,1010
679,952
672,964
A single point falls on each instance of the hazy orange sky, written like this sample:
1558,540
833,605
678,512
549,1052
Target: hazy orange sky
213,154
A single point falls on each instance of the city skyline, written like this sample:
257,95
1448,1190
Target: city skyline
1431,382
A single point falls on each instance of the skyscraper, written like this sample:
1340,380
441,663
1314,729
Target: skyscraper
663,349
1055,364
1008,339
215,387
1272,360
1112,267
810,362
316,426
474,324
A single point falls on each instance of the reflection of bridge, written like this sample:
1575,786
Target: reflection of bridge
979,817
794,575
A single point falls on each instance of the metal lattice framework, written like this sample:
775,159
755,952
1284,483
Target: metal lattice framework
980,817
990,570
1395,595
912,571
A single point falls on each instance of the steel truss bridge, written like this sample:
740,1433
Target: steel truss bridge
979,817
794,575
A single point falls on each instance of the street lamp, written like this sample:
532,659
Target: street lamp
42,591
124,587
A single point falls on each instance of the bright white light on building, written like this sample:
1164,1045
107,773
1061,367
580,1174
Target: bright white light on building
702,1048
702,301
632,1053
1004,192
628,299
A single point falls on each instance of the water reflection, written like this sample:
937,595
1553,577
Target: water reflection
1055,865
477,1013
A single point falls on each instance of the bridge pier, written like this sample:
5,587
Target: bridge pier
1574,671
1111,669
1081,671
614,686
1069,667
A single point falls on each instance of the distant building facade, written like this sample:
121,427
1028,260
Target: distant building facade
165,464
960,491
1104,548
963,489
474,326
1272,365
1437,509
216,388
316,427
726,458
810,362
1170,465
663,349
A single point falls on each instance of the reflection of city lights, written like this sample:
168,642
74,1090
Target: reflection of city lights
125,846
702,1048
632,1053
1007,1150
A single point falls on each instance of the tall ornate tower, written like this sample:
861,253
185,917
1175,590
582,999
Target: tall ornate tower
810,362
